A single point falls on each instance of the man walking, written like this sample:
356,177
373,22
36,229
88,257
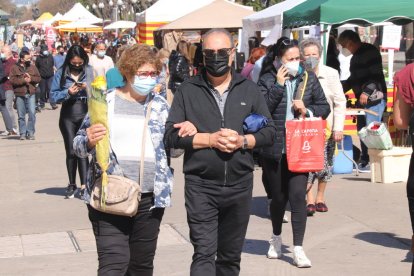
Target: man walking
24,77
45,63
101,63
59,58
367,81
8,61
206,119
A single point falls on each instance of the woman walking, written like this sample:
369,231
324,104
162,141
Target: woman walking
280,91
311,51
126,245
69,88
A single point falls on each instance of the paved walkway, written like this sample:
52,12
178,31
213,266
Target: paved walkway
366,231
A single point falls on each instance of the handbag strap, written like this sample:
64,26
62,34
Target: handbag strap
302,87
144,138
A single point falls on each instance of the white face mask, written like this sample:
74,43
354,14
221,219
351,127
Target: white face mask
292,67
345,52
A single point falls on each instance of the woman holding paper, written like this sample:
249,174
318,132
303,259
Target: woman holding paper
126,245
290,93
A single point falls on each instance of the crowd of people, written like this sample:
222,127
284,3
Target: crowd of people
284,81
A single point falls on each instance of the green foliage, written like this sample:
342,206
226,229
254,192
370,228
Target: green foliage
258,4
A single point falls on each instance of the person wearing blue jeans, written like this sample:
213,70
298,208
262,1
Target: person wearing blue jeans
24,78
367,82
26,105
365,121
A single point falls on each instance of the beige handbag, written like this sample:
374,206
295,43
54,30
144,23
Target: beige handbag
122,195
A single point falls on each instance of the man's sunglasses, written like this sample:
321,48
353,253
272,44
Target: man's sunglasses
146,74
223,52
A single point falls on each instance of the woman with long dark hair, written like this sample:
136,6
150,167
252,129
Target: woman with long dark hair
280,87
69,88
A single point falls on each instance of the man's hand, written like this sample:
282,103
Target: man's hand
95,133
186,129
226,140
298,105
338,136
363,99
27,78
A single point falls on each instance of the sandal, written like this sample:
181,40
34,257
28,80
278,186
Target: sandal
321,207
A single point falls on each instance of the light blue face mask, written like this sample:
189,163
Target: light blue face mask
45,53
144,86
101,53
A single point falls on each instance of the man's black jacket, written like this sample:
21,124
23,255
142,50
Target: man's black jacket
45,66
195,102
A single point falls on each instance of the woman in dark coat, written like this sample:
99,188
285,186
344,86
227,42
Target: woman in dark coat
279,84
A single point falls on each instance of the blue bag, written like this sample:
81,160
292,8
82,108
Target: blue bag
254,122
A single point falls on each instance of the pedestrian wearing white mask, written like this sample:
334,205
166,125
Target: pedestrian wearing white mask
99,61
311,51
280,85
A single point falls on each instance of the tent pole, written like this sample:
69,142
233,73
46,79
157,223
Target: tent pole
325,30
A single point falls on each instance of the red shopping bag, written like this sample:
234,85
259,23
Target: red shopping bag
305,144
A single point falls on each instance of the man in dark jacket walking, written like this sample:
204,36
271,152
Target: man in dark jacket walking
206,119
45,63
24,77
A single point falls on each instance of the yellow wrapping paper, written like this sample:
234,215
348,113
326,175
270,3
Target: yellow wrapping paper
98,114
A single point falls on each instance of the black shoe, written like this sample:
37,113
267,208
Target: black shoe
54,107
30,137
38,110
71,191
364,167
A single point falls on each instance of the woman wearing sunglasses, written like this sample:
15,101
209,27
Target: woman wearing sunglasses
280,84
126,245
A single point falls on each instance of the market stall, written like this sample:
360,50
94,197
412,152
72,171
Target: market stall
78,12
163,12
265,20
214,15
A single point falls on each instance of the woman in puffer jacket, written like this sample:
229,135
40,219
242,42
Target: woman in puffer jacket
280,83
179,66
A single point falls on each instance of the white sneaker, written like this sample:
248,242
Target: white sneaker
285,219
299,258
275,248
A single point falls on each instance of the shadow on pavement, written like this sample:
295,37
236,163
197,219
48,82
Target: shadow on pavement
14,137
259,206
359,178
56,191
387,240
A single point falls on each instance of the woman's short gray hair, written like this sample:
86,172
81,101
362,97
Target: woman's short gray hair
310,42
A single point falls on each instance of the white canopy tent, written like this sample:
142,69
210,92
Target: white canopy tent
266,20
121,25
55,18
26,23
168,10
79,12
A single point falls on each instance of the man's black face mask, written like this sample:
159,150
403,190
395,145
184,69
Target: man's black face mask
217,63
